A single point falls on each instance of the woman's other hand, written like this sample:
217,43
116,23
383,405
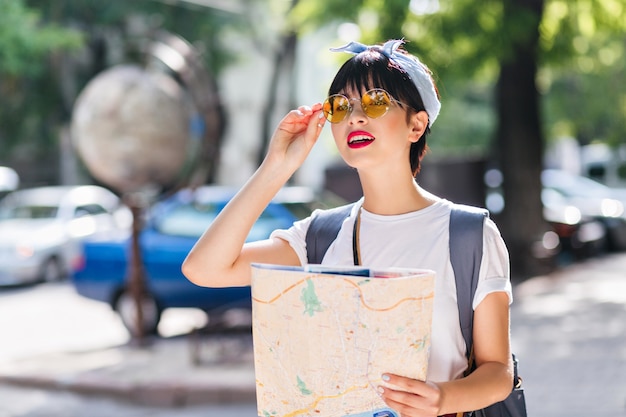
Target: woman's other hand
411,397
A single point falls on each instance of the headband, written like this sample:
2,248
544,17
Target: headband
417,72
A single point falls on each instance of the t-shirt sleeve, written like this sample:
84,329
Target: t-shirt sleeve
296,237
494,268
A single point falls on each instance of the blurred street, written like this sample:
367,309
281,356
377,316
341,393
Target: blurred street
568,330
569,333
48,318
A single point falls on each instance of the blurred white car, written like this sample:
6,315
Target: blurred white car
41,228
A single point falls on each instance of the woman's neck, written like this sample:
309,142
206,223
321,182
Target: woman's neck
389,195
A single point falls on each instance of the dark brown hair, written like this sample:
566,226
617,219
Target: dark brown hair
373,69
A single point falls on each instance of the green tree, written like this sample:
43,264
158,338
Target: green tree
50,49
24,40
26,45
508,42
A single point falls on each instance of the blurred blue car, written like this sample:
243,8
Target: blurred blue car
171,229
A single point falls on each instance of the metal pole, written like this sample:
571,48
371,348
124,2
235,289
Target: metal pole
136,276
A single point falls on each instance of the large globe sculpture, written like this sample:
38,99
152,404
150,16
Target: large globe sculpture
136,129
147,130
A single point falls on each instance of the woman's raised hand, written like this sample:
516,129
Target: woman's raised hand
220,258
295,136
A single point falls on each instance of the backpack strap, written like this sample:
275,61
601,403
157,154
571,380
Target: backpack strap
323,230
466,251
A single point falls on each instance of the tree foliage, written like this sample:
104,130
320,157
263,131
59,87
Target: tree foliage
517,50
25,40
26,44
581,50
50,49
584,44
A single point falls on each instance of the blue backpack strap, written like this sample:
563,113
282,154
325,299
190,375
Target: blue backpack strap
323,230
466,251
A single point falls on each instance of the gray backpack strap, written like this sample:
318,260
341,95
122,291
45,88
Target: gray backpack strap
466,251
323,230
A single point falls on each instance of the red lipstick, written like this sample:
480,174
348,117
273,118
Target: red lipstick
359,139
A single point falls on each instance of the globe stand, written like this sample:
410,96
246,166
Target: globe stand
146,130
135,279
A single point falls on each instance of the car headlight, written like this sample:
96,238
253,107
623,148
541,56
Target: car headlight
611,208
571,215
550,240
24,251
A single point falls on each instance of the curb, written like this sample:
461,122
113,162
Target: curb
160,394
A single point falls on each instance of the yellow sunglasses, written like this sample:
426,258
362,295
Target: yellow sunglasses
375,103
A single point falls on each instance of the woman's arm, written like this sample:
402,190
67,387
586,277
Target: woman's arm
220,257
491,382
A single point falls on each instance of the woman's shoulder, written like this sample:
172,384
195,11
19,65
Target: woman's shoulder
490,227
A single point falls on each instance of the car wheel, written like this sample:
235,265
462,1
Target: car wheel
51,271
127,310
616,234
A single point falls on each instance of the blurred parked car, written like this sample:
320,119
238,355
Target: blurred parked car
172,228
572,232
41,227
593,200
580,236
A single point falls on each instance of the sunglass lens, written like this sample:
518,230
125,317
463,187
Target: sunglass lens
375,103
336,108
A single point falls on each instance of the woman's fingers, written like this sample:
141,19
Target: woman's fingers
296,135
411,397
298,120
316,123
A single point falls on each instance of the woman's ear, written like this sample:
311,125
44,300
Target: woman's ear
419,124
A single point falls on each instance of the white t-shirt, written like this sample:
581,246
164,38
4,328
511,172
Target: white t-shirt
418,240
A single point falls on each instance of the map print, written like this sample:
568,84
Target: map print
323,337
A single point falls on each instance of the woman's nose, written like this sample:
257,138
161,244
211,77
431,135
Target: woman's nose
357,115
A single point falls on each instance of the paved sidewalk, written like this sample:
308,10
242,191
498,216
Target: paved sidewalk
568,330
183,370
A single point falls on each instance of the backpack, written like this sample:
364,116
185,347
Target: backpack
466,225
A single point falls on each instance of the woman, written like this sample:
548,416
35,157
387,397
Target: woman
381,106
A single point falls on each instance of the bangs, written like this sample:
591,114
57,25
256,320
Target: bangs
371,69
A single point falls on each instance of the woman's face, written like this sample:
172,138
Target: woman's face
374,143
